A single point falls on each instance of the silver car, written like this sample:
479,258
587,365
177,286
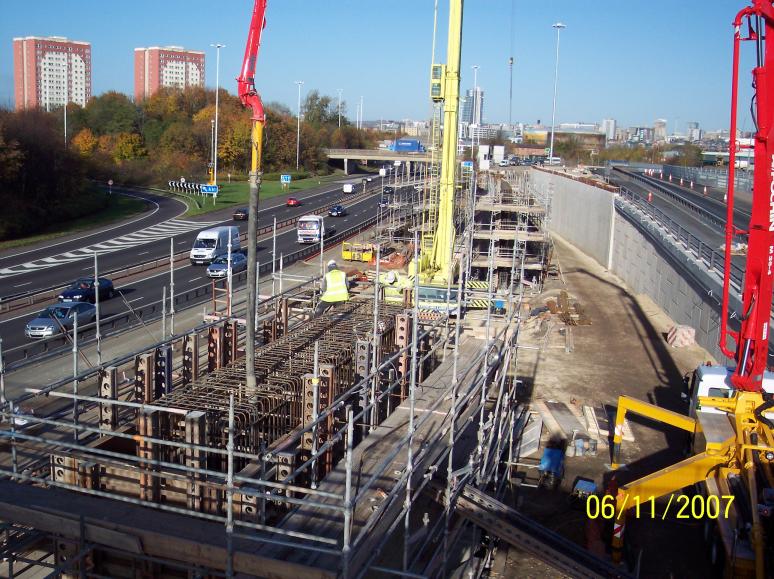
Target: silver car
60,318
219,267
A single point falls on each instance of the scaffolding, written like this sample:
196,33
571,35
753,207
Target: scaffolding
314,473
509,225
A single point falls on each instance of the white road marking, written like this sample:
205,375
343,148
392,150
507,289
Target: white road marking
23,284
143,252
137,299
149,234
194,279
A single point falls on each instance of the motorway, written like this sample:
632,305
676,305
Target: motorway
713,203
148,288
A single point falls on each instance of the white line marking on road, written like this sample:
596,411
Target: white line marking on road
137,299
23,284
195,279
90,268
143,252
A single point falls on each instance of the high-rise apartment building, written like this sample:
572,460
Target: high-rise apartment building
473,106
660,130
51,71
608,127
170,66
693,131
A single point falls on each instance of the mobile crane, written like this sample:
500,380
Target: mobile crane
250,98
732,409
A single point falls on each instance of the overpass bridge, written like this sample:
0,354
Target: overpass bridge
366,155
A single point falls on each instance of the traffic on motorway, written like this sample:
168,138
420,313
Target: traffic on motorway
133,296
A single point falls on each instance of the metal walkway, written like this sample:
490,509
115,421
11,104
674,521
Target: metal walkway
527,535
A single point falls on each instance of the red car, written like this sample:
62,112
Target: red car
293,202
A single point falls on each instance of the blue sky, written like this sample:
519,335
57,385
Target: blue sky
633,61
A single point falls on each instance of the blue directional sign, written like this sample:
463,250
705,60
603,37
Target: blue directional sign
285,179
209,189
467,165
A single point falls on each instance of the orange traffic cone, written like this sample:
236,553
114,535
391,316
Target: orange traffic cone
650,197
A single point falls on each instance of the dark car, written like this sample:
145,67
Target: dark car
293,202
241,214
82,290
337,211
389,190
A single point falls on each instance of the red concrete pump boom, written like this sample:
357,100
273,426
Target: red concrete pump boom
246,79
753,23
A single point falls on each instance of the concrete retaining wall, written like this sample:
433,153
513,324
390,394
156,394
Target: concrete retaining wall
681,289
580,213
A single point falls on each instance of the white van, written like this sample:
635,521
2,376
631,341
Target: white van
310,228
553,160
348,188
212,243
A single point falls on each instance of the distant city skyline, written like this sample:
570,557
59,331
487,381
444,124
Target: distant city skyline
604,72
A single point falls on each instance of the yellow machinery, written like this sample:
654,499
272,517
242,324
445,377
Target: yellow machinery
357,251
436,266
732,409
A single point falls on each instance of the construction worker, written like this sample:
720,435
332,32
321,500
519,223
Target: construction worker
335,288
394,284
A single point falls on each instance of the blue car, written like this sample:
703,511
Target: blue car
82,290
337,211
219,268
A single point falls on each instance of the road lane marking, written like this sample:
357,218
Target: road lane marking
137,299
195,279
143,252
23,284
148,235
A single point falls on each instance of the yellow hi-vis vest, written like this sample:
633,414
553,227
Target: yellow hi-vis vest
335,287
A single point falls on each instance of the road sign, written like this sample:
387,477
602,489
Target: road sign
467,165
285,179
209,189
547,150
182,179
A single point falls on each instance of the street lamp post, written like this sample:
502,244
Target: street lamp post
212,150
217,47
361,111
558,27
474,122
298,127
340,91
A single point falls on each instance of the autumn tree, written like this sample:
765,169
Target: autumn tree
85,142
128,146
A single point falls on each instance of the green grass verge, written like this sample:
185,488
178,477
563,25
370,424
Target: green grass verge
236,194
119,207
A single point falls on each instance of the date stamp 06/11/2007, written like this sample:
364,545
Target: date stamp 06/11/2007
681,506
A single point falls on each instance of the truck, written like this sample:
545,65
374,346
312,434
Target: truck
311,228
407,146
348,188
212,243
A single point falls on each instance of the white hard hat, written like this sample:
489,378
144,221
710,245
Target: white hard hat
390,277
332,263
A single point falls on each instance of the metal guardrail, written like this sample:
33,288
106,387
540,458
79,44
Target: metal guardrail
700,250
32,297
703,214
119,323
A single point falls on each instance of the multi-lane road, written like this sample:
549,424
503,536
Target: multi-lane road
710,233
147,238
